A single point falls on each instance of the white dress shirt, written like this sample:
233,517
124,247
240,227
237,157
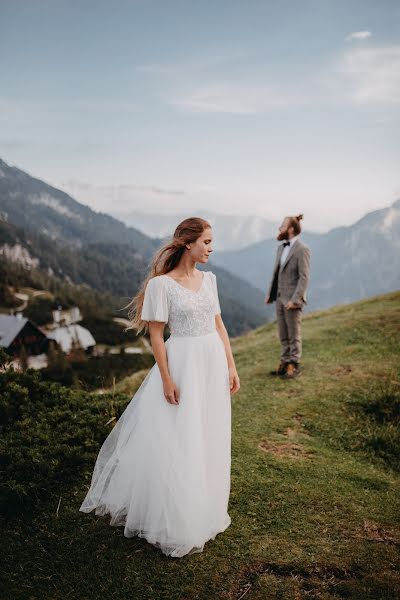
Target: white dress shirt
287,249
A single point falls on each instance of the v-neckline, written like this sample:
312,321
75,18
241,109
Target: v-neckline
186,288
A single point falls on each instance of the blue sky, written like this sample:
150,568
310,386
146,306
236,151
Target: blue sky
256,107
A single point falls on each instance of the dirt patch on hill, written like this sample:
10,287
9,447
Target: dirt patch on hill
285,449
298,428
309,580
340,370
375,533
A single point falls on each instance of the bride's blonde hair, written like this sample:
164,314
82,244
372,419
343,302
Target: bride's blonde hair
165,259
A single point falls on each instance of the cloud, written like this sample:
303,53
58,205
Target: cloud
360,75
235,97
358,35
219,83
368,76
124,198
371,75
121,189
192,65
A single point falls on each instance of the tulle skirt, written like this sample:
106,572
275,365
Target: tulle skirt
163,472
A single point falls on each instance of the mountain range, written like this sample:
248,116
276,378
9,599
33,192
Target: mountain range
231,232
33,204
347,263
149,211
45,228
55,232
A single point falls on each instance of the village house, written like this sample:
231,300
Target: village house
66,331
17,331
69,335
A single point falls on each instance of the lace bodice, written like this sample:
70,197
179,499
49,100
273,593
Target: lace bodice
187,312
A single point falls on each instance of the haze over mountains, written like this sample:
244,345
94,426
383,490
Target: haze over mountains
46,228
33,204
148,209
231,232
347,263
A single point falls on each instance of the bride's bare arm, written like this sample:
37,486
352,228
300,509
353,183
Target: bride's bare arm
156,331
234,381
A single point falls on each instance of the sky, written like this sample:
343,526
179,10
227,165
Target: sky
260,108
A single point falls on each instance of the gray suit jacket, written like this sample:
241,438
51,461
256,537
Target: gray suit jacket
290,282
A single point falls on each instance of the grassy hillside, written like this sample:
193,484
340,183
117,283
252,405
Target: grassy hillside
315,486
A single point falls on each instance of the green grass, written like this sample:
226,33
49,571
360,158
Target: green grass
314,513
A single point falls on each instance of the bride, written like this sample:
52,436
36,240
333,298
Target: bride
163,472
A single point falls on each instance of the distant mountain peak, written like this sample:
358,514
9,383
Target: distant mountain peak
36,205
391,218
396,203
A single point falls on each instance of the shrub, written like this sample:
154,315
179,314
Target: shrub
380,409
7,298
97,371
39,310
48,435
107,331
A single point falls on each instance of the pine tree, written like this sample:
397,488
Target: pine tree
23,359
5,360
56,359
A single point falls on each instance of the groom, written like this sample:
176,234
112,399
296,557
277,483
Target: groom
289,289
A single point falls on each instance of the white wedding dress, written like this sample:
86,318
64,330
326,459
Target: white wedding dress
164,470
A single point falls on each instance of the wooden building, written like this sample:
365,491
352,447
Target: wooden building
17,331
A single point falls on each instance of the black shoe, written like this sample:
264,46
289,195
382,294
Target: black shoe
281,370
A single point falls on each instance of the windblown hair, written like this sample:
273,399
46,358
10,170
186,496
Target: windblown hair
164,260
295,223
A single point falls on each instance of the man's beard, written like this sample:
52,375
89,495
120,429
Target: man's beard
283,235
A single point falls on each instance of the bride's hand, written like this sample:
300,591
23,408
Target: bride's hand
234,381
171,392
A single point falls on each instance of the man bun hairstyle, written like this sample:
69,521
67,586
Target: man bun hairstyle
295,222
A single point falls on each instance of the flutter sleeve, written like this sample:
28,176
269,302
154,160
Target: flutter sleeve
217,307
155,303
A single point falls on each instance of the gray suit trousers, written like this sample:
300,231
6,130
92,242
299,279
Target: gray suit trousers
289,328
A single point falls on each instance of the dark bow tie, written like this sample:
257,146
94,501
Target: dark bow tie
286,244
